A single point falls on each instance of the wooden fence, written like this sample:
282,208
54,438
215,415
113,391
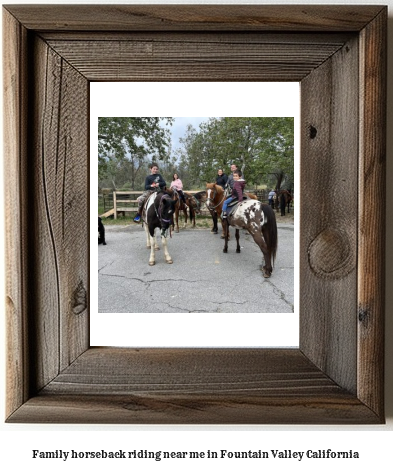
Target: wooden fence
120,202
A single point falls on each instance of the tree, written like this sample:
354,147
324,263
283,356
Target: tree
126,143
262,147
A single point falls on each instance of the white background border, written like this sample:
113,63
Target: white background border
16,441
191,99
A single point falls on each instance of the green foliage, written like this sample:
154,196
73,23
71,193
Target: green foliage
127,144
262,147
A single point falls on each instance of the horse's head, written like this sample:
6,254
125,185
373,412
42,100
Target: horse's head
172,192
196,200
166,208
213,194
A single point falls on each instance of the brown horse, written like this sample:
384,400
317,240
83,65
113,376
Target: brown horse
215,197
191,204
179,207
284,198
260,221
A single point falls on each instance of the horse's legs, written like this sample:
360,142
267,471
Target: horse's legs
225,228
148,239
259,240
177,220
152,259
156,246
223,232
237,240
168,258
148,245
215,226
185,217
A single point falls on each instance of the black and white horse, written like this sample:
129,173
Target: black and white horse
158,212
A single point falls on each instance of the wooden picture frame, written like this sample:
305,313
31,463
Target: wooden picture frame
338,54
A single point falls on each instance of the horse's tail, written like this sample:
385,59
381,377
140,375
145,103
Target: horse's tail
269,231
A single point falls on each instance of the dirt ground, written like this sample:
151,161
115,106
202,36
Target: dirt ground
201,222
287,219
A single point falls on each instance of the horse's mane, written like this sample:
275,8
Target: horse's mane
214,186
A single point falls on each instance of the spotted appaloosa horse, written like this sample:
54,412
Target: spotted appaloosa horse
158,213
260,221
215,197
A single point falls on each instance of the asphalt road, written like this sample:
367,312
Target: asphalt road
202,279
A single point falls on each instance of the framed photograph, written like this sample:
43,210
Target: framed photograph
52,53
156,307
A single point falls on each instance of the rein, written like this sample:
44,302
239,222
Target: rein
209,199
159,212
198,204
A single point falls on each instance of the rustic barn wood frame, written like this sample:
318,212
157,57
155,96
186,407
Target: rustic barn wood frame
338,54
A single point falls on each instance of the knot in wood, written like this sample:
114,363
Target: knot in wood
330,254
80,299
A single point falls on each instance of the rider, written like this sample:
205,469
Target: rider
221,178
153,182
178,185
237,191
271,197
229,185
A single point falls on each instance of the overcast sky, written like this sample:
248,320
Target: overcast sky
179,128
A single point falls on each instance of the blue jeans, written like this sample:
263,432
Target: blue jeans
226,202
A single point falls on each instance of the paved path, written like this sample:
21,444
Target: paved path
202,279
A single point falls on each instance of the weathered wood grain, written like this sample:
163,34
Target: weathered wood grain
15,219
182,60
372,192
193,386
59,188
329,189
195,18
336,375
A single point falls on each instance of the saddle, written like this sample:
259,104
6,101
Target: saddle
233,204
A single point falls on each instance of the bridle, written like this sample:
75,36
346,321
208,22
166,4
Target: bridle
159,213
212,208
197,206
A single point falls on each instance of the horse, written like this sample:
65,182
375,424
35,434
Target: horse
158,212
285,199
260,221
215,197
194,202
179,207
101,232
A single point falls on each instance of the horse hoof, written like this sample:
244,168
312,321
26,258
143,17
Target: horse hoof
169,261
225,251
152,263
237,251
156,248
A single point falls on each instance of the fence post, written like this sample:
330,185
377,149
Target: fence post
114,205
